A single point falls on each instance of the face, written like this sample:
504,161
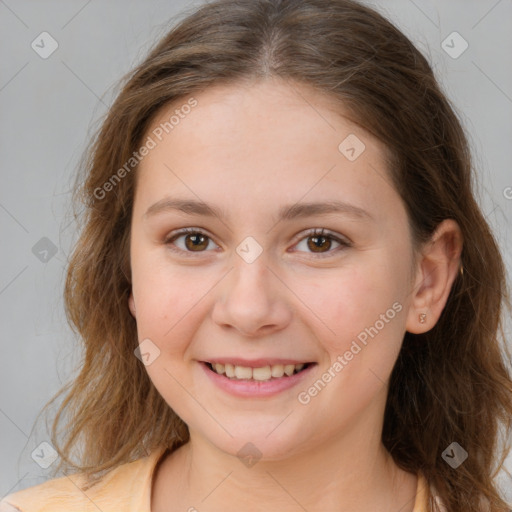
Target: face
261,285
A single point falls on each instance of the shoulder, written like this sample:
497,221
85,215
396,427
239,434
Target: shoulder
39,498
127,485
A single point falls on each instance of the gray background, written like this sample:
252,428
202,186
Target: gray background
49,108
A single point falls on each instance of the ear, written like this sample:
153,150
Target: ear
131,304
437,269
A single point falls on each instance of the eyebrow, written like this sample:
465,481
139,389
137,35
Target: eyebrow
287,212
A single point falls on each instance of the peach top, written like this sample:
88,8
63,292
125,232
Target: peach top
124,489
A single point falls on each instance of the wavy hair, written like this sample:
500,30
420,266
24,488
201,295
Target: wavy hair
450,383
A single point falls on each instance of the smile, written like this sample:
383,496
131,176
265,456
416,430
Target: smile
260,381
263,373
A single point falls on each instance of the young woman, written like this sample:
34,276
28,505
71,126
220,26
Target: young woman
288,296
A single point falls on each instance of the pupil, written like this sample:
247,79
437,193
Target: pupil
317,244
197,240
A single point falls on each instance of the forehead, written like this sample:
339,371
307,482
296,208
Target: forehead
256,108
271,140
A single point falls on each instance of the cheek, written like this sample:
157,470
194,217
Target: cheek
361,333
169,310
173,303
164,297
363,305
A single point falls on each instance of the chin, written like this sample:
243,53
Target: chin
252,442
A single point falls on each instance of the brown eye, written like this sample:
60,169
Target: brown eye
194,241
319,243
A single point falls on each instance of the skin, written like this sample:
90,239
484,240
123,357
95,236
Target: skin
249,149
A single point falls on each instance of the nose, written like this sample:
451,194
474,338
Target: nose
252,299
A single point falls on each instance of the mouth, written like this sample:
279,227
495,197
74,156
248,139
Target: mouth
264,373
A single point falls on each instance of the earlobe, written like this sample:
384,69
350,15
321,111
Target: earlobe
131,304
438,267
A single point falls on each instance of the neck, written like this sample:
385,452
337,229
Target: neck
349,472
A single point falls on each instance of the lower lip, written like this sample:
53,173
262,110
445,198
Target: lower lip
254,388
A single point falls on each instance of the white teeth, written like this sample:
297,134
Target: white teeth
277,370
260,374
230,371
242,372
289,369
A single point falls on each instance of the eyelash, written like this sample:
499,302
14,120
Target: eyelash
309,233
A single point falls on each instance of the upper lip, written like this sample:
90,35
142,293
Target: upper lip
254,363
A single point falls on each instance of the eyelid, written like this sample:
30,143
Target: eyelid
186,231
323,232
341,239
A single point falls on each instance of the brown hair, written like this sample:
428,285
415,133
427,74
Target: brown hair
449,384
